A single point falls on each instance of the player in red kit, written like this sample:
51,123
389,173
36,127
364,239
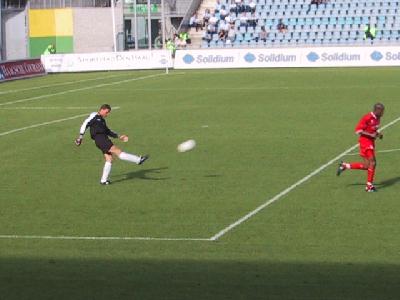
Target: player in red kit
367,129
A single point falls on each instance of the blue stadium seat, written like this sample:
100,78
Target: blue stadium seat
335,23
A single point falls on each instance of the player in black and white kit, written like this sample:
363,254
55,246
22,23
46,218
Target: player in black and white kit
100,133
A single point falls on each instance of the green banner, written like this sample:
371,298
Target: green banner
142,8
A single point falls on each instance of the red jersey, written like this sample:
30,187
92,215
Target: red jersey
369,123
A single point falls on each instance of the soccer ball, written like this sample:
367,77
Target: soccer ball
186,146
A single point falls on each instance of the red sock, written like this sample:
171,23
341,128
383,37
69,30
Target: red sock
371,175
357,166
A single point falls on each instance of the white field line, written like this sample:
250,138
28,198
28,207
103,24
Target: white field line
82,89
289,189
60,84
97,238
52,108
42,124
257,88
381,151
46,123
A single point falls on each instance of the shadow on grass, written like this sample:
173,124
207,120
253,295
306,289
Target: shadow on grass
383,184
175,279
389,182
144,174
212,176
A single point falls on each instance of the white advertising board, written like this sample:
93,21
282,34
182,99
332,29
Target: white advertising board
287,57
107,61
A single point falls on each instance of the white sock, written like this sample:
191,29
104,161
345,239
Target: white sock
129,157
106,171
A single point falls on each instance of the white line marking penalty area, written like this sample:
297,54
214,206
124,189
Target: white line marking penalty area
52,108
290,188
45,123
61,84
82,89
97,238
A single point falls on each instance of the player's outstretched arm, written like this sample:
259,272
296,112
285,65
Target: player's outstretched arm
83,128
111,133
78,141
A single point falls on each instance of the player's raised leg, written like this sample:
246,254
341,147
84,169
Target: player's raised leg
128,156
343,166
107,169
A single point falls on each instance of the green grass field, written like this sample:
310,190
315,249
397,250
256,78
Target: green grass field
258,133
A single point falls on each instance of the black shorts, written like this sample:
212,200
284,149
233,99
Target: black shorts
103,143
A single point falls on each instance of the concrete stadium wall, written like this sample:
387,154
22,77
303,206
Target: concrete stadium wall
93,29
15,35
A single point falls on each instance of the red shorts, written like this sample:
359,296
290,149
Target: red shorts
367,149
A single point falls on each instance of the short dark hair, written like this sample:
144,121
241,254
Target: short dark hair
105,106
379,105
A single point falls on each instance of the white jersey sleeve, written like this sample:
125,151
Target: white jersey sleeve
86,122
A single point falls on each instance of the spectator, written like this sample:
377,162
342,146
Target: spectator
171,47
195,22
223,12
213,20
231,34
239,6
207,36
369,32
262,35
184,38
218,6
252,6
211,30
178,42
206,17
253,20
234,8
224,28
244,20
317,3
158,42
229,19
222,35
50,49
282,27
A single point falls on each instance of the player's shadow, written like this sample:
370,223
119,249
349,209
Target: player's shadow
389,182
212,175
145,174
383,184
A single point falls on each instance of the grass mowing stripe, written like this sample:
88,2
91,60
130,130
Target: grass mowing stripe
290,188
60,84
98,238
81,89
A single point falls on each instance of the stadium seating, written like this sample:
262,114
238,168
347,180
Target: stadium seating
333,23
